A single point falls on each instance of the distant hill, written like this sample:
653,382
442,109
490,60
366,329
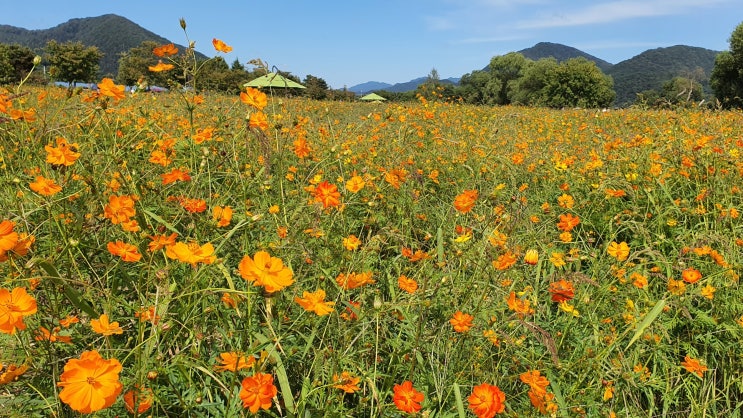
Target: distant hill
650,69
112,34
561,53
646,71
369,86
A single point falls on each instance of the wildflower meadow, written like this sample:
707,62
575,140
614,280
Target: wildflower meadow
191,254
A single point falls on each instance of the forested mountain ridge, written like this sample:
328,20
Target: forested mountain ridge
112,34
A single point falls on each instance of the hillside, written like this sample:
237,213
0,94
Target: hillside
650,69
561,53
112,34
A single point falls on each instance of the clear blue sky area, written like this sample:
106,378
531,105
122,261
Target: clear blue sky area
351,42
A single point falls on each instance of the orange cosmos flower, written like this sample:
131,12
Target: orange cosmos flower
202,135
693,365
8,237
193,205
127,252
43,334
257,392
565,201
222,215
406,398
461,322
12,373
161,241
147,314
69,320
521,307
258,120
119,209
165,50
619,251
567,222
107,88
301,148
327,194
160,158
465,201
63,154
676,287
346,382
14,306
233,361
21,248
160,67
561,290
691,275
355,184
505,261
191,253
315,302
138,399
45,186
104,327
487,400
90,383
353,280
175,175
351,243
535,380
407,284
221,46
266,271
254,97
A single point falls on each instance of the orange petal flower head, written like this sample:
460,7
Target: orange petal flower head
14,306
138,399
693,365
561,290
487,400
127,252
266,271
165,50
160,67
461,322
327,194
691,275
221,46
465,201
406,398
63,154
257,392
620,251
315,302
254,97
346,382
104,327
108,88
45,186
90,383
567,222
234,361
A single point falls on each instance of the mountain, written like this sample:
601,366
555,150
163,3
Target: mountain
561,53
650,69
369,86
646,71
112,34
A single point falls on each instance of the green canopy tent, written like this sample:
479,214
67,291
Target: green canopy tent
372,97
273,80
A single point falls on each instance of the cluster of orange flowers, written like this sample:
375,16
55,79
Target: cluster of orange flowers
538,395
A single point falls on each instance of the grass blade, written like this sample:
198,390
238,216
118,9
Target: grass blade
649,318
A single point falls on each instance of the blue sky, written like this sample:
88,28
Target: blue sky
349,42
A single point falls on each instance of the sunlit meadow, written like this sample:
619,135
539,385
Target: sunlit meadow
185,254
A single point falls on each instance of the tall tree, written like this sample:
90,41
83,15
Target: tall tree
317,88
15,62
726,79
73,62
507,69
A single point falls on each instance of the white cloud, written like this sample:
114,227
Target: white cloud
615,11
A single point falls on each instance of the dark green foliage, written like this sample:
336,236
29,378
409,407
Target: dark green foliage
727,76
112,35
73,62
317,88
15,63
561,53
652,68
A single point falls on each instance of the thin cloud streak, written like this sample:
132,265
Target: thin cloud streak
616,11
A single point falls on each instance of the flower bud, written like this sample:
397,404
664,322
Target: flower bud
37,60
183,23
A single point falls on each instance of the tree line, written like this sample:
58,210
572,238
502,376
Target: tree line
508,79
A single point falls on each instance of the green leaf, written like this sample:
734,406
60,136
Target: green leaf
460,404
162,221
649,318
286,390
72,295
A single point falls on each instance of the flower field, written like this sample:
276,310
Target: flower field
178,254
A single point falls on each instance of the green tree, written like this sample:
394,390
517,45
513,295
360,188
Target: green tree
726,79
73,62
15,63
507,70
532,88
682,90
578,82
317,88
478,87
